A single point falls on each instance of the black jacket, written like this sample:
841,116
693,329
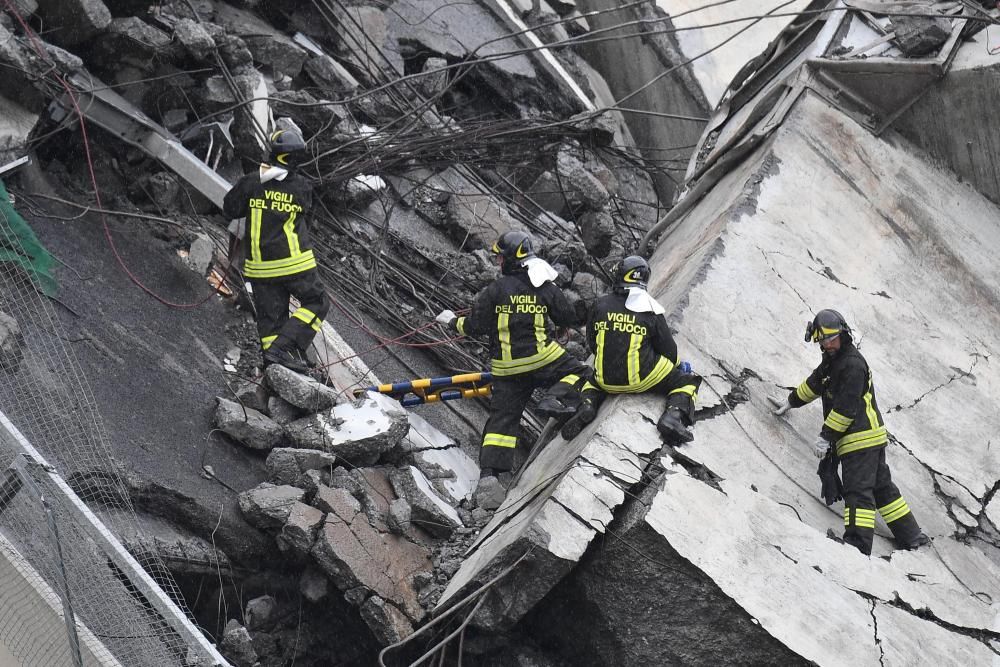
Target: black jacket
851,416
276,243
632,351
518,317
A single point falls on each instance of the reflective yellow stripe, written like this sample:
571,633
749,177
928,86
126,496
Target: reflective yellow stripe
571,379
503,333
863,518
897,509
255,218
540,337
588,387
460,325
838,422
869,410
635,340
293,238
309,317
804,392
862,440
599,359
660,370
275,268
266,341
688,389
499,440
504,367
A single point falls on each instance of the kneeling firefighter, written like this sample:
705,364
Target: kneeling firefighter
517,311
277,256
634,352
853,433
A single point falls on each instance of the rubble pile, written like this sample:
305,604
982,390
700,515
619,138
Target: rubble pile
356,492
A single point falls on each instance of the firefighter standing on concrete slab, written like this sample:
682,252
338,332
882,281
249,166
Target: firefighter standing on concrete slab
517,312
854,432
635,352
278,258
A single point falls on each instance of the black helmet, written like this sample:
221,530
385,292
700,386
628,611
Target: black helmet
513,247
633,271
826,324
287,148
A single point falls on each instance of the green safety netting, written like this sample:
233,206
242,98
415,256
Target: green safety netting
20,246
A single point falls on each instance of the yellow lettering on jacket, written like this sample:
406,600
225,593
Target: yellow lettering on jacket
532,309
504,308
523,298
258,203
621,317
277,195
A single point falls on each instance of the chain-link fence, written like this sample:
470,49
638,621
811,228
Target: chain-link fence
109,604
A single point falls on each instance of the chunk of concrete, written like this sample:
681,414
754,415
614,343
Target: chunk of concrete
919,36
489,493
336,501
268,505
300,390
428,509
268,45
400,515
331,75
286,464
598,230
352,553
200,254
357,432
134,41
252,395
193,36
451,471
282,411
237,645
388,624
422,435
259,612
299,531
247,426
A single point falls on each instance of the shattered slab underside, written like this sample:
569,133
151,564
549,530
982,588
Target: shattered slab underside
824,214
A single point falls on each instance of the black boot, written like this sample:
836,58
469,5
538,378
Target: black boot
671,426
584,415
915,543
551,406
282,357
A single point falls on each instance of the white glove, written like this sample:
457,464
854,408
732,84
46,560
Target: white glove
821,446
446,317
782,407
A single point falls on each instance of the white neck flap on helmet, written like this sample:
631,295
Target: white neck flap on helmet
539,271
269,173
639,301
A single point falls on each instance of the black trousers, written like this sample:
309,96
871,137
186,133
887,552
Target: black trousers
681,390
868,487
502,433
275,326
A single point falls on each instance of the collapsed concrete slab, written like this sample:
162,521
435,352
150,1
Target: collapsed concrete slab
427,509
247,426
357,432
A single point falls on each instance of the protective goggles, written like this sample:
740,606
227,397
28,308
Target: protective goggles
819,334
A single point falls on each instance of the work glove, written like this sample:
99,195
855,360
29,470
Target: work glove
781,407
446,317
821,446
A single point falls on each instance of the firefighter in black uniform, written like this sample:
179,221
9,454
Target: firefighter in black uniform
278,259
854,433
634,352
517,311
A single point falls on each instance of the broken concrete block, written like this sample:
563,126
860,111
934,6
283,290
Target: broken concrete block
582,189
356,432
11,342
597,228
268,45
237,645
422,435
300,390
434,77
313,585
588,286
193,36
344,479
268,505
247,426
286,464
336,501
299,531
451,471
311,480
282,411
252,395
352,553
388,624
490,493
331,75
920,35
70,22
201,254
399,517
259,612
546,193
428,509
133,41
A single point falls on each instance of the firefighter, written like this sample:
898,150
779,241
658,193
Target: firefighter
517,311
634,352
854,433
278,258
